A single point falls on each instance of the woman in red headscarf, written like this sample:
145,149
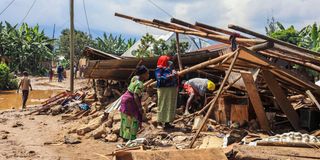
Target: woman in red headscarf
167,91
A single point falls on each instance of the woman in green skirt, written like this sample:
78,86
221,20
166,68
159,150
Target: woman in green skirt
167,91
130,107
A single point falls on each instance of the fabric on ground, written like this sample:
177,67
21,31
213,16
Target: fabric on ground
167,103
129,127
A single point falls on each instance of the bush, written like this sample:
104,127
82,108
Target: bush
7,80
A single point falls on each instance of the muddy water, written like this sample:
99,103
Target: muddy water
12,99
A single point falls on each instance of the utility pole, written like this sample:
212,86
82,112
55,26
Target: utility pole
71,45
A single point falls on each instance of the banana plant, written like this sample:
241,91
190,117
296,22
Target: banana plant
26,47
113,44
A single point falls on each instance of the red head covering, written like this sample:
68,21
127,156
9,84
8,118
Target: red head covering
163,61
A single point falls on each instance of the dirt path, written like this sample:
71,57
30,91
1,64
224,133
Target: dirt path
42,137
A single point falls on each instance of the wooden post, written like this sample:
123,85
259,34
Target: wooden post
178,52
215,98
71,46
204,64
281,98
255,100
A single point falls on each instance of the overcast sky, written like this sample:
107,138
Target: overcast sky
247,13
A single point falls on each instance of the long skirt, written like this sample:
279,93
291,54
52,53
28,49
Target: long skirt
167,104
129,127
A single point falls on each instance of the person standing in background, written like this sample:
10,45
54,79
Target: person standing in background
50,74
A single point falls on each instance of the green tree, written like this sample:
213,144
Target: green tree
276,30
310,37
113,44
27,48
150,47
7,80
81,40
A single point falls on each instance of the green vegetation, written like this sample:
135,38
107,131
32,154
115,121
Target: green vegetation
27,48
7,80
150,47
113,44
81,39
308,37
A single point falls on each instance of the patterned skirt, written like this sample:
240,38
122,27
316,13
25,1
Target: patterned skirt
129,127
167,104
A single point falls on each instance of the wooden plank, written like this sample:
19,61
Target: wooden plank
245,152
239,113
311,96
281,98
186,154
255,100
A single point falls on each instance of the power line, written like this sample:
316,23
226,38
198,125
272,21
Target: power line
6,7
164,11
24,18
85,12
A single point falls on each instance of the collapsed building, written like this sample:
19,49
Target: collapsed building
258,89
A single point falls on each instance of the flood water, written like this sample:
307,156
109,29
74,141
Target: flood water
12,99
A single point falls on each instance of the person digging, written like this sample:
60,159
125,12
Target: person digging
195,88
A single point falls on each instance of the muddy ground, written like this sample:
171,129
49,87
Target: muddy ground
42,90
26,137
42,137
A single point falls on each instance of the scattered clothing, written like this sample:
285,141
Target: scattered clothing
84,106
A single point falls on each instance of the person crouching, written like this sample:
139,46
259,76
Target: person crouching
196,87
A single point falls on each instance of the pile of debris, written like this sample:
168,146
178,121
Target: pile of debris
259,94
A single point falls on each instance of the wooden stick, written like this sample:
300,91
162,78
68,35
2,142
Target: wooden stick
311,96
289,144
178,52
247,31
216,29
178,29
215,98
204,64
182,23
